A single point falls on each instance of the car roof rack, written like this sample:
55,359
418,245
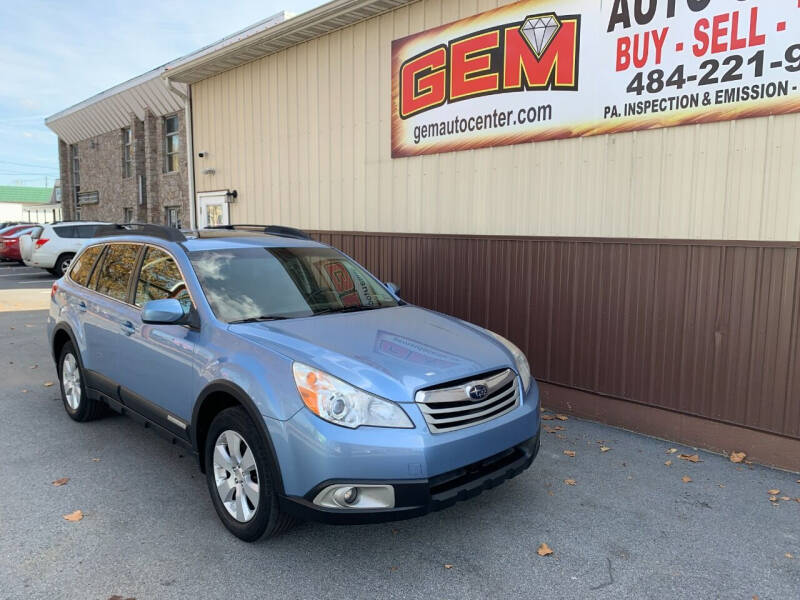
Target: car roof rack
163,232
278,230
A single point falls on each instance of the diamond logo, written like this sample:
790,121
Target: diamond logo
539,31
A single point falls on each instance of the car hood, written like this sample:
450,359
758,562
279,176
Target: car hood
390,352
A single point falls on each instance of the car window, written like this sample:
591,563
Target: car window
96,272
115,272
252,283
65,231
160,278
82,266
85,231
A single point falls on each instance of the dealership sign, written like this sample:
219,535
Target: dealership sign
548,69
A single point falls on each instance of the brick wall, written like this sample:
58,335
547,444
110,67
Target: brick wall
101,170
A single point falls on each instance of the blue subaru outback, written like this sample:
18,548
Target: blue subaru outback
307,388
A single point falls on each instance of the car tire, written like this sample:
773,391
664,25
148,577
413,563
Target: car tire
62,264
77,403
231,473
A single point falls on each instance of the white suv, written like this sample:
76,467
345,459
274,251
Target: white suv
53,246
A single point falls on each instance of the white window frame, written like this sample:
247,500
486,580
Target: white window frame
127,152
167,136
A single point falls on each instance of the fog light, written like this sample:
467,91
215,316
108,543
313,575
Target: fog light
349,496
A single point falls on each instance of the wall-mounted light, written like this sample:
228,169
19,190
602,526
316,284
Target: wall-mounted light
202,154
231,195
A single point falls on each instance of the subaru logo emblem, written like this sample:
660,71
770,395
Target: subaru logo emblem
477,391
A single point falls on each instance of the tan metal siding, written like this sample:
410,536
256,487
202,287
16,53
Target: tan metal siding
303,135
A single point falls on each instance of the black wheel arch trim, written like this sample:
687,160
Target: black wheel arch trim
65,327
238,394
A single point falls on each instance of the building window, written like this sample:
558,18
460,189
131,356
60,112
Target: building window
127,152
173,216
172,144
127,215
76,173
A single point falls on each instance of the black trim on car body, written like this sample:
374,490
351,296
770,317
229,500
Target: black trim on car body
238,394
417,497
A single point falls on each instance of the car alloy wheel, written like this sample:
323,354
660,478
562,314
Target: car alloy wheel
71,380
236,476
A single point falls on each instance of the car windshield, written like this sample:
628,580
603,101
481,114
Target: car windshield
253,284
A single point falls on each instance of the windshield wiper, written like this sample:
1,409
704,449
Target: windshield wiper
257,319
344,309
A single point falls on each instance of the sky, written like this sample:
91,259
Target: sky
58,53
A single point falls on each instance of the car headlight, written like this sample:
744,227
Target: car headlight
523,368
342,404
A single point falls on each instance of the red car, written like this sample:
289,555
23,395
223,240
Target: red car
9,241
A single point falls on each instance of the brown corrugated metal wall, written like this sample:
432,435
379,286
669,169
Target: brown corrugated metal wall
702,328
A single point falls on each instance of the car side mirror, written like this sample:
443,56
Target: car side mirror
392,287
164,312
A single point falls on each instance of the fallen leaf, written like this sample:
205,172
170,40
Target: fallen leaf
550,493
604,448
773,492
544,550
785,498
74,516
672,451
448,566
690,457
668,463
773,498
34,367
547,417
570,453
60,482
737,457
48,384
570,481
95,460
393,569
721,485
797,499
686,479
24,391
789,555
549,429
562,417
558,428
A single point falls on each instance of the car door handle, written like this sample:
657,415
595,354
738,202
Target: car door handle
82,306
127,328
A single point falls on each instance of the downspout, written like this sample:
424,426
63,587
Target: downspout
187,103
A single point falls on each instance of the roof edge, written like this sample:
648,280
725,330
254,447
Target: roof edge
338,13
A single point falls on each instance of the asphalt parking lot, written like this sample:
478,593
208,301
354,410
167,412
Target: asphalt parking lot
625,525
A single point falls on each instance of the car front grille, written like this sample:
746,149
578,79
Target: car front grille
449,407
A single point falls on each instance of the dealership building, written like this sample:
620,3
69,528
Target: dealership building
631,221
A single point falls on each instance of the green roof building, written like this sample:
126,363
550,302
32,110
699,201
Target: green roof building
30,204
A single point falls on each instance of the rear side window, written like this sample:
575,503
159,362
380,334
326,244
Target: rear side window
115,272
82,266
64,231
160,278
85,231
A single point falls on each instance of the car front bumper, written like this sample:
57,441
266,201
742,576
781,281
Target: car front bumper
313,454
414,498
